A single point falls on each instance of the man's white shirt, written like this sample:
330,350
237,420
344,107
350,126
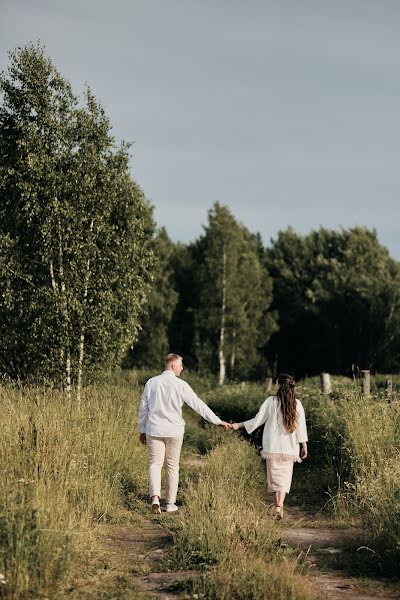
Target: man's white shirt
160,413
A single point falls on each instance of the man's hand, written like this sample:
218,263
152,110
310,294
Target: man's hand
142,438
224,425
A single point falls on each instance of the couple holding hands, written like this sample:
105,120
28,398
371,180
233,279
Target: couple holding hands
161,428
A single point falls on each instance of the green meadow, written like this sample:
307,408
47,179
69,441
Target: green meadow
68,472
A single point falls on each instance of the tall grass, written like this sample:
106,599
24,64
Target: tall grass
359,437
63,471
228,530
354,448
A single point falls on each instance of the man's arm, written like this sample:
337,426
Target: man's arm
192,400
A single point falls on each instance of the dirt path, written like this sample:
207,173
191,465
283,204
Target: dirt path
329,553
139,555
143,551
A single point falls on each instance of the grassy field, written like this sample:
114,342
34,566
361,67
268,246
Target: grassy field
66,472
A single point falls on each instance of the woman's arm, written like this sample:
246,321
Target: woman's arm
258,420
301,430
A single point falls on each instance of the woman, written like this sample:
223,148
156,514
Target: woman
285,428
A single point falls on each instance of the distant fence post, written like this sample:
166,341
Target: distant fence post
326,386
389,389
366,383
268,384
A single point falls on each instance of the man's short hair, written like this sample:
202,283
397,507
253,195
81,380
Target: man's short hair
171,357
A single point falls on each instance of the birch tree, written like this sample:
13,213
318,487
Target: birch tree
79,227
234,295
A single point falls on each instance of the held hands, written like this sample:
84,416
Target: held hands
233,426
236,426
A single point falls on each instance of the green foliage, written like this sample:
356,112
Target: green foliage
181,332
77,227
338,298
235,402
152,344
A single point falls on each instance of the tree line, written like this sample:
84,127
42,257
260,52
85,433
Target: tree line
84,275
325,301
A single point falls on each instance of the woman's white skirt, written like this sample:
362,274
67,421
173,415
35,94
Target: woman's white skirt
279,474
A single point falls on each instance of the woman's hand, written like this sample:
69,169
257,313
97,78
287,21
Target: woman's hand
303,451
142,439
236,426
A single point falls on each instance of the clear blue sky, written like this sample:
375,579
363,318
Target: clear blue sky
287,111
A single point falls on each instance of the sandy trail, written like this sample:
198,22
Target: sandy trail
322,544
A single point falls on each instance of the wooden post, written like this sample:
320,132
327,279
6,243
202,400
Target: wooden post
326,386
366,383
389,389
268,384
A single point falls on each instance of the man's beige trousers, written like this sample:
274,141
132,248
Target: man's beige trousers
160,448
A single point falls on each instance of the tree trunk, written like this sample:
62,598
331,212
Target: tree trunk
82,334
221,352
389,389
366,382
326,386
55,290
80,365
64,309
233,354
68,373
268,384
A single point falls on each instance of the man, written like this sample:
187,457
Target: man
161,427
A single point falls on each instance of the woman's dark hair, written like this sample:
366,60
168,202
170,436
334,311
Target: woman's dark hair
287,399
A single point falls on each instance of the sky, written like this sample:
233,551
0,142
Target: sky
287,111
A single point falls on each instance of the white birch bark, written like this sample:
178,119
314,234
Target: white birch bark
55,290
221,352
67,352
82,334
68,373
233,354
52,277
